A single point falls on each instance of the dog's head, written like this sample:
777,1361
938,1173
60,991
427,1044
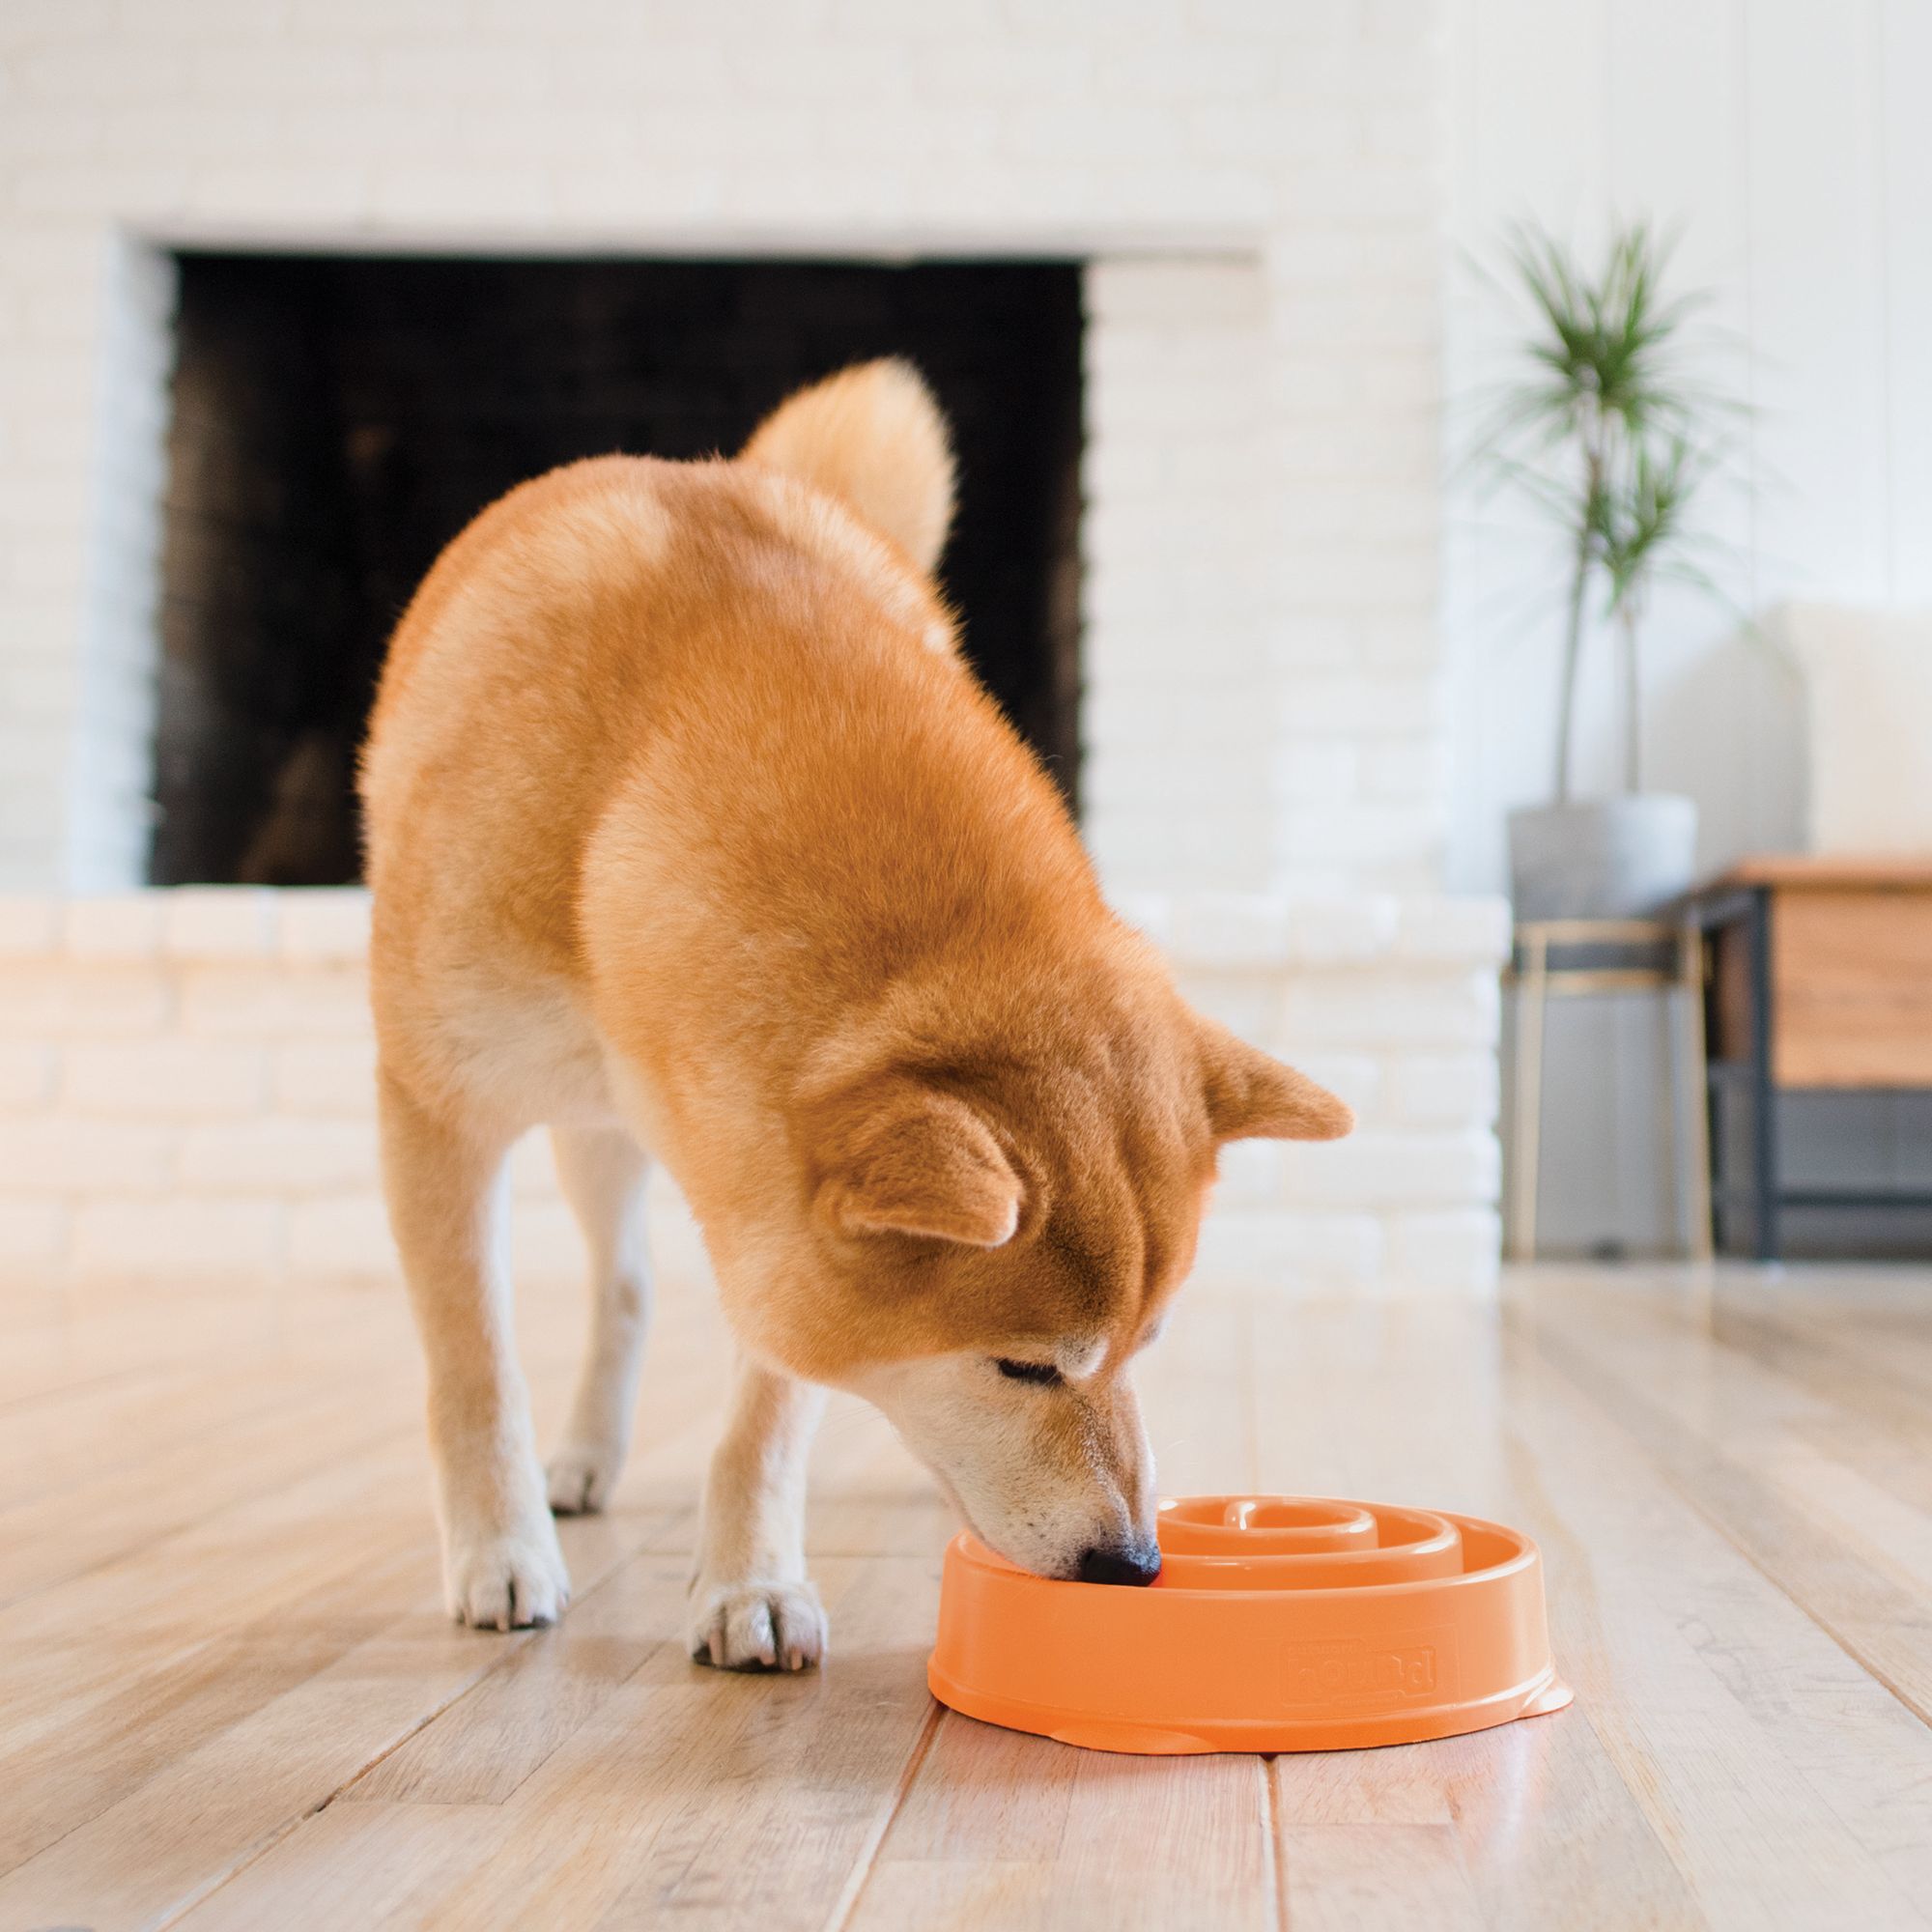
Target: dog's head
994,1240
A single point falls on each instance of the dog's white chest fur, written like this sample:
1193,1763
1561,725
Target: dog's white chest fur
531,1054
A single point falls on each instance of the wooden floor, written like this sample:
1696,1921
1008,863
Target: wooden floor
228,1698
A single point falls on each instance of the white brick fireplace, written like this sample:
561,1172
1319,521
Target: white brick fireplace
1253,189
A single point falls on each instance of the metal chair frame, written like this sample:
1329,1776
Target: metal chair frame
1687,1098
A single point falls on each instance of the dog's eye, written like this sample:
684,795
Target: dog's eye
1042,1373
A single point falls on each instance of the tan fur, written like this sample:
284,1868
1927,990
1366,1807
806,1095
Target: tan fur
873,439
687,824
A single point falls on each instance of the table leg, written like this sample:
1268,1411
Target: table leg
1695,1163
1764,1095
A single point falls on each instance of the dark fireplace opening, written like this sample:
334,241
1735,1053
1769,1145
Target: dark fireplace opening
336,420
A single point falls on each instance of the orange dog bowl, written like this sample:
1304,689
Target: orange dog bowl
1277,1624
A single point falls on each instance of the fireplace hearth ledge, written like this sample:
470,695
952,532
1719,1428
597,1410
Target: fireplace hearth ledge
185,1088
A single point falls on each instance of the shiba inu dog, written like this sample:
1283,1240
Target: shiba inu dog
691,837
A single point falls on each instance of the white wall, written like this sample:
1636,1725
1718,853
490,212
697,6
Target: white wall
1257,185
188,1090
1258,182
1791,140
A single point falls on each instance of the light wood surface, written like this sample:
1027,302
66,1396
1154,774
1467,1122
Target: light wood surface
1851,972
228,1698
1824,871
1852,979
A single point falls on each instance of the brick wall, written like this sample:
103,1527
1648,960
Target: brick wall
1254,186
185,1090
1255,181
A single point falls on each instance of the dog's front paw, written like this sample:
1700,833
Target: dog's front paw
756,1626
508,1581
582,1475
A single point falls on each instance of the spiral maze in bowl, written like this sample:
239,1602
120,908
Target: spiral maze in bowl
1278,1623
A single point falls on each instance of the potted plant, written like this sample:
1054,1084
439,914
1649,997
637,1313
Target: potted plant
1611,441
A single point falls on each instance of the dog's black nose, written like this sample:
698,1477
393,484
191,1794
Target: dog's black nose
1136,1566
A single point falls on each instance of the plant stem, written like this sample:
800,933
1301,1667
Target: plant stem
1594,458
1572,651
1633,753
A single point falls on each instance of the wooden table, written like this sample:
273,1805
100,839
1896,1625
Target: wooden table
1821,980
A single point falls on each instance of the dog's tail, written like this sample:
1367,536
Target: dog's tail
872,436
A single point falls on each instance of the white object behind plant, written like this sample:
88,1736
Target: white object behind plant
1869,681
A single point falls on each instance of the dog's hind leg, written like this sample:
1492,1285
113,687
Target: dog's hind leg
444,1181
602,1172
752,1604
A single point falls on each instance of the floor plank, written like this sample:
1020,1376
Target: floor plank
1084,1838
228,1698
1341,1878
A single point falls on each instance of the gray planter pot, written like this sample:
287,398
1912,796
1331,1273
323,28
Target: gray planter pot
1607,858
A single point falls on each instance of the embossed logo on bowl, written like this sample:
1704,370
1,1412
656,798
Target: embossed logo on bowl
1364,1670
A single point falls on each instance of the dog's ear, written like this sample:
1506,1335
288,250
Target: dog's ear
897,1157
1252,1096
